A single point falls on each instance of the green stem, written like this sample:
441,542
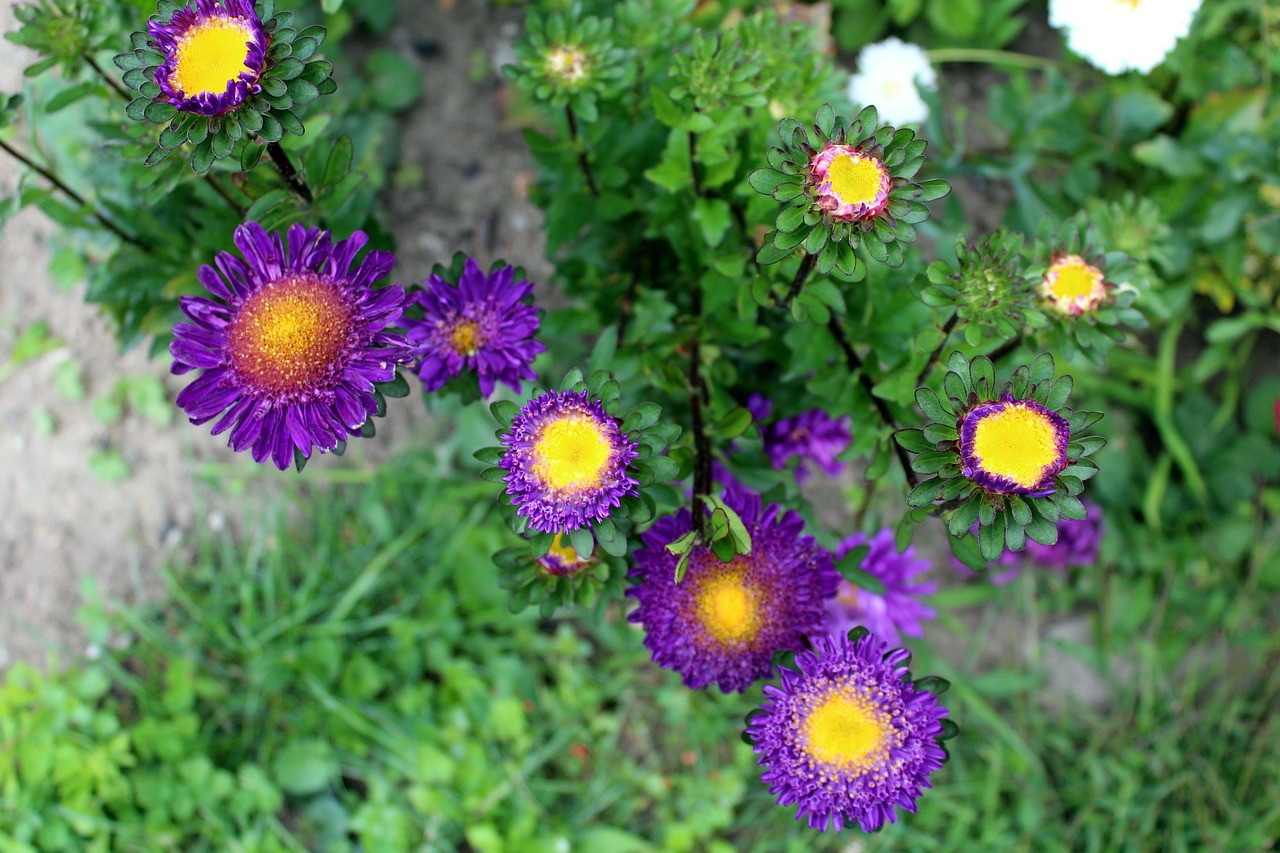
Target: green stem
72,194
581,148
697,394
991,57
290,174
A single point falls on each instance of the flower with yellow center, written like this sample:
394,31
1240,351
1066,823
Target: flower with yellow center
846,736
294,344
1013,446
850,184
723,622
1072,286
567,64
567,461
214,53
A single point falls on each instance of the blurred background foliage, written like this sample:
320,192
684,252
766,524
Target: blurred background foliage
350,677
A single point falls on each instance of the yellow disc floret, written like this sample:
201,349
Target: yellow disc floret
1072,282
571,453
857,179
466,338
728,607
288,336
211,56
845,730
1017,442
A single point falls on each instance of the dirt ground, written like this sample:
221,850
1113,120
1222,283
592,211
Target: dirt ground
61,525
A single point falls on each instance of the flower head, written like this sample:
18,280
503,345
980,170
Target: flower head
562,559
890,76
723,622
1073,286
846,187
1013,446
220,71
481,324
214,52
846,736
567,461
294,343
1013,457
813,436
1123,35
898,608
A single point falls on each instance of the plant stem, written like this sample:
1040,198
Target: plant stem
290,175
693,164
582,151
991,57
220,190
72,194
1004,349
854,363
107,78
697,395
802,273
933,359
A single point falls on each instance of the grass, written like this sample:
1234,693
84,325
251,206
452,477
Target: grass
359,660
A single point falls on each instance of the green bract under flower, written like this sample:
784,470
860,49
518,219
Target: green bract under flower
1086,295
990,288
1012,457
190,70
846,185
567,63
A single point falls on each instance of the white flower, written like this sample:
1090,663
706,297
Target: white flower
1123,35
888,73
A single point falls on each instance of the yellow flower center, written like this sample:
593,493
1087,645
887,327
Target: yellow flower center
290,335
856,179
212,55
847,594
466,338
1071,278
846,731
728,606
566,553
571,453
1017,442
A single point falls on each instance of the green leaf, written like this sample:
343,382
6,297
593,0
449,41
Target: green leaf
504,411
583,542
825,119
913,440
790,219
733,424
289,122
490,455
932,461
1060,393
991,539
305,766
394,81
641,417
765,181
1042,368
966,550
933,407
684,544
925,493
272,130
965,515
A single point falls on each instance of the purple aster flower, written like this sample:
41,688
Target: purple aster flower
1013,446
293,344
899,608
481,324
846,736
724,622
214,52
813,436
567,461
1077,545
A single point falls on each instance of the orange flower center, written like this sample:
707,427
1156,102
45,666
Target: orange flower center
289,337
